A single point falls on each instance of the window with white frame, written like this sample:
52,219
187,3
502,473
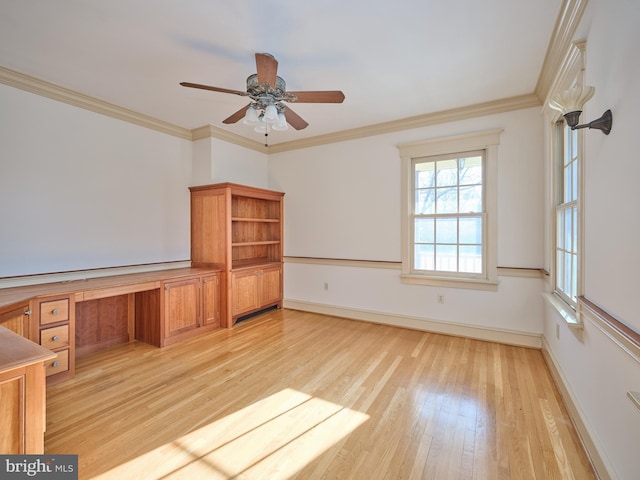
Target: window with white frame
568,192
449,211
448,214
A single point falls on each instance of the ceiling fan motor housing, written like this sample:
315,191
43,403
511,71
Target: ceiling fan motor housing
257,89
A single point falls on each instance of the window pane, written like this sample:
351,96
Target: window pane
574,214
567,183
425,201
447,173
568,270
574,181
568,237
470,171
471,230
559,229
447,201
560,271
471,199
471,259
447,258
423,257
446,230
424,174
423,230
573,135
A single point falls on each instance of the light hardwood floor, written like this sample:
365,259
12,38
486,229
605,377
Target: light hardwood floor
298,395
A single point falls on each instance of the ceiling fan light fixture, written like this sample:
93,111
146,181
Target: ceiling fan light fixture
251,117
281,124
271,114
262,127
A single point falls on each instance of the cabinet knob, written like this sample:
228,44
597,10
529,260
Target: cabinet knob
28,312
55,364
55,338
55,311
257,273
206,281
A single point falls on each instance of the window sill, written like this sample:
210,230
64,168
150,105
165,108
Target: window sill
468,283
566,312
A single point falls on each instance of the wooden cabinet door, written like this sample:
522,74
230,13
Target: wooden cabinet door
17,320
244,287
211,300
270,286
181,306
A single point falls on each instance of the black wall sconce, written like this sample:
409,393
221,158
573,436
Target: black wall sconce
570,102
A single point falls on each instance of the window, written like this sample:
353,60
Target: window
449,211
448,214
566,243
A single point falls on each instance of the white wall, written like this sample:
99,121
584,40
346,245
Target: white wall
218,161
596,371
343,201
81,190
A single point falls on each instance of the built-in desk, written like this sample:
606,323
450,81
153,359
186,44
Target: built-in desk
79,317
22,390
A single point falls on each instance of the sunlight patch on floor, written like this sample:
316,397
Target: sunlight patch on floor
276,436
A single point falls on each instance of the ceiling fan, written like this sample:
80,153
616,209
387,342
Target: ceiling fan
268,92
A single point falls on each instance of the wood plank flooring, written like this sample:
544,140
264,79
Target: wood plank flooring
290,395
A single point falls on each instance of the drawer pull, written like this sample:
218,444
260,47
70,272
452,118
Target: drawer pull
55,311
55,364
55,338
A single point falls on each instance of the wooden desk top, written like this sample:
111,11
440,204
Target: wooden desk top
17,351
98,287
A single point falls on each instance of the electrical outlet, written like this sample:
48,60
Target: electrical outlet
326,286
440,297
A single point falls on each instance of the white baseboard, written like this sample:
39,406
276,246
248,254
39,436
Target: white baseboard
576,414
521,339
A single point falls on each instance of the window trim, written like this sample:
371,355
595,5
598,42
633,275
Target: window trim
487,141
571,72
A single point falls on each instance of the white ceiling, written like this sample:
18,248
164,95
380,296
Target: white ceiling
392,60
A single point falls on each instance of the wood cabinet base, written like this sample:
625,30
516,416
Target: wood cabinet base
22,394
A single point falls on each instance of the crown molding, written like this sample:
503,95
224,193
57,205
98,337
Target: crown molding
561,39
444,116
210,131
61,94
559,47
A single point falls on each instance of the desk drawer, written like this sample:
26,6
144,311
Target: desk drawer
54,311
58,364
55,338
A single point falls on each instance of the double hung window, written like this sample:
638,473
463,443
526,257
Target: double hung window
448,214
566,244
449,211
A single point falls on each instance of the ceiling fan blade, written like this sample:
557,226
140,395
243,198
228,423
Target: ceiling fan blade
267,69
319,96
295,120
239,115
214,89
